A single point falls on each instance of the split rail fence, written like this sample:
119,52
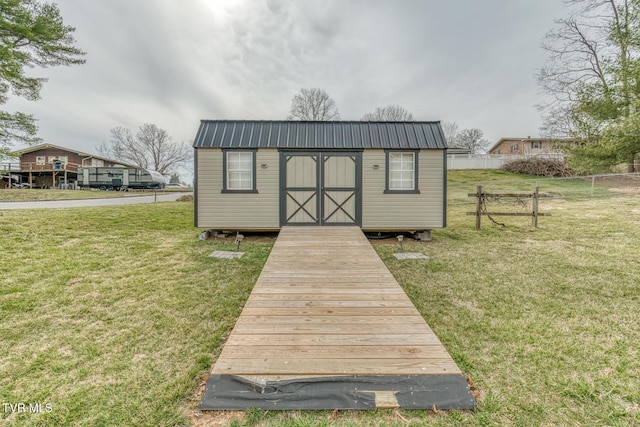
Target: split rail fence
481,205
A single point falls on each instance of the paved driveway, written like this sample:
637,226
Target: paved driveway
127,200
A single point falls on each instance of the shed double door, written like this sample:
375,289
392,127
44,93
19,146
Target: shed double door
320,188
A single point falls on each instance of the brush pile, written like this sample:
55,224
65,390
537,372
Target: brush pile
538,167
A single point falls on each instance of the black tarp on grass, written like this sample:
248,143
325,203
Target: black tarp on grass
229,392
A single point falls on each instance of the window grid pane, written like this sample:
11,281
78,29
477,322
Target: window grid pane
239,171
401,171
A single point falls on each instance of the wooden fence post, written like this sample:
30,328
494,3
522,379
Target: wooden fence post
534,217
481,207
478,206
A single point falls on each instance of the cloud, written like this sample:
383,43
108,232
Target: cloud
174,63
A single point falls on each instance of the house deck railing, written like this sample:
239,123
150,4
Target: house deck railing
34,167
9,167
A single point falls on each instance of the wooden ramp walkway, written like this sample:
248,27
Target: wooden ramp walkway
327,326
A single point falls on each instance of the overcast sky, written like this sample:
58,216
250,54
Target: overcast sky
173,63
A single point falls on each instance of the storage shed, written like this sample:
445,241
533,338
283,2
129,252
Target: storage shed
262,175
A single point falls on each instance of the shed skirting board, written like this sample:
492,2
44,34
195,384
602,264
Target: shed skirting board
233,229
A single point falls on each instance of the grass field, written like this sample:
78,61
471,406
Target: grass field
113,315
460,183
21,195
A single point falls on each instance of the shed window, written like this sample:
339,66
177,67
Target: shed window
402,172
239,171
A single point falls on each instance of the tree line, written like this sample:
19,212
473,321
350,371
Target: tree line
314,104
152,148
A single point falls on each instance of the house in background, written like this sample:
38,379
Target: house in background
48,165
262,175
529,146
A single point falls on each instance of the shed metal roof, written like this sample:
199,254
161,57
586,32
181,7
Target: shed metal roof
338,135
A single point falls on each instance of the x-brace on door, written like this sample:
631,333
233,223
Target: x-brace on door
320,188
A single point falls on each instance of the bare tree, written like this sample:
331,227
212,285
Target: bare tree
450,130
592,77
590,72
471,139
313,105
150,148
390,113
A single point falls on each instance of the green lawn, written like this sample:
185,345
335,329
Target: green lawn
20,195
543,321
114,315
31,195
460,183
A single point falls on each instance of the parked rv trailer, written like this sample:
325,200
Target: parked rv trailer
119,178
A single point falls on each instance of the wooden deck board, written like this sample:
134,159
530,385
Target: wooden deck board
326,305
338,329
431,351
333,311
295,296
319,339
332,303
340,366
334,319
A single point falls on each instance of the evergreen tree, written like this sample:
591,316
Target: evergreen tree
32,34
